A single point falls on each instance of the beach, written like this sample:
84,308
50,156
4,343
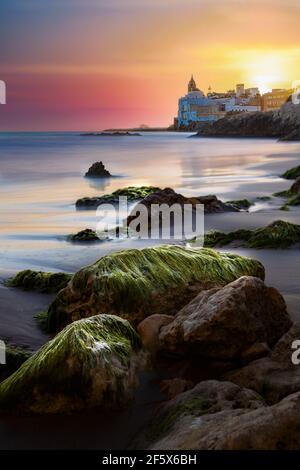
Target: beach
42,177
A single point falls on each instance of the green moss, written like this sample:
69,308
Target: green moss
294,200
86,235
279,234
264,198
15,357
42,320
62,370
292,174
240,203
135,283
160,425
284,208
131,192
40,281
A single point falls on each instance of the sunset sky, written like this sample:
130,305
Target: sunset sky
94,64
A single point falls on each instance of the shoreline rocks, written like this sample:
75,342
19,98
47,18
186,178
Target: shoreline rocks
91,363
136,283
48,283
131,192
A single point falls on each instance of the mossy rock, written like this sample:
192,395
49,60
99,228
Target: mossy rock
91,363
279,234
86,235
15,357
292,173
48,283
264,198
137,283
243,204
131,192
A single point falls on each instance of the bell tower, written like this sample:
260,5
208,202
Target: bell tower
192,85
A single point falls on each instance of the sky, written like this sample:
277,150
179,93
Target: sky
96,64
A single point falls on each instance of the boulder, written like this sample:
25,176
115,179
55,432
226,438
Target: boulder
194,416
131,192
86,235
48,283
227,419
97,170
223,323
173,387
138,283
275,376
149,329
91,363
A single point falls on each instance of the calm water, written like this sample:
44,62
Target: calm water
41,177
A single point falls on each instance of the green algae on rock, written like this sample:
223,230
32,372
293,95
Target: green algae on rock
243,204
131,192
292,173
137,283
48,283
86,235
278,234
91,363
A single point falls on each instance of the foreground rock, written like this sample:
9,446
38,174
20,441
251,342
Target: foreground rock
15,356
137,283
282,123
40,281
275,376
91,363
97,170
218,416
131,192
278,234
223,324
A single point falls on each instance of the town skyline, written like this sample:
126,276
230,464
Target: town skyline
83,65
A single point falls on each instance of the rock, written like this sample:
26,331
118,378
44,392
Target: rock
240,204
223,323
131,192
278,234
97,170
256,351
15,356
169,197
86,235
293,194
194,416
292,173
292,136
149,329
49,283
275,376
173,387
138,283
295,188
111,134
238,421
91,363
279,123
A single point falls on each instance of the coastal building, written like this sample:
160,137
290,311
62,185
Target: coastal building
275,99
195,107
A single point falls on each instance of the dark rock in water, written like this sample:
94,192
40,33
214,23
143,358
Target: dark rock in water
86,235
15,356
293,194
275,376
111,134
278,234
136,283
282,123
292,136
243,204
49,283
97,170
292,173
221,324
131,192
92,363
169,197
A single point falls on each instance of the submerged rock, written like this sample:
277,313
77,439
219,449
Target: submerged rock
223,323
131,192
91,363
292,173
243,204
137,283
275,376
40,281
97,170
278,234
86,235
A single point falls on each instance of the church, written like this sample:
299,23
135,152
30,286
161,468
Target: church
196,107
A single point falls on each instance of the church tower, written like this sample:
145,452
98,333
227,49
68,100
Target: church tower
192,85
